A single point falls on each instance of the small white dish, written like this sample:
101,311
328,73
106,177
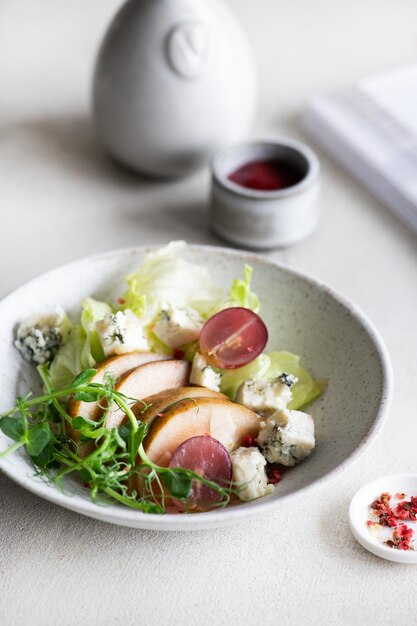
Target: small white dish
359,513
263,219
329,326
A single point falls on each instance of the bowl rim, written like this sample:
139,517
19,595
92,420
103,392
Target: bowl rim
221,517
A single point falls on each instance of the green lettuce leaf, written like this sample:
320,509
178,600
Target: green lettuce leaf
270,366
241,294
232,379
67,362
92,312
306,389
82,350
164,277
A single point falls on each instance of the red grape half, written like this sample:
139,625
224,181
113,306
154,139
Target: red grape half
233,338
207,457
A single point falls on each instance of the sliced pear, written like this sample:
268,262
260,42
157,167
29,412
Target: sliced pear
115,366
149,379
159,402
222,419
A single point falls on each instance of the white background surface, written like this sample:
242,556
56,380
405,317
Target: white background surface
60,199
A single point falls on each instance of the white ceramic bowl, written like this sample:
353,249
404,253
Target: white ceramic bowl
335,341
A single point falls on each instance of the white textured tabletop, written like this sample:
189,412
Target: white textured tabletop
60,199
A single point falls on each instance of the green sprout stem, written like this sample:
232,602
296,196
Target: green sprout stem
127,410
115,458
57,405
13,448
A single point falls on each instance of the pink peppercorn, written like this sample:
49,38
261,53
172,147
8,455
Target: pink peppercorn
401,513
402,537
274,475
248,441
394,518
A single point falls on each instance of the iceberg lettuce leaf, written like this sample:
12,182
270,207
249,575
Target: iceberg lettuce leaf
67,362
165,278
232,379
306,389
92,312
82,350
268,367
241,293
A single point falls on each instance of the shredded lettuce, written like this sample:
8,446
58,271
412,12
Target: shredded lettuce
270,366
232,379
67,362
241,294
164,278
82,350
306,389
92,312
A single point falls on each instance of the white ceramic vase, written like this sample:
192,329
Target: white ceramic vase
174,81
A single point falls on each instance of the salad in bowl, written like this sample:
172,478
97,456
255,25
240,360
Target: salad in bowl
163,399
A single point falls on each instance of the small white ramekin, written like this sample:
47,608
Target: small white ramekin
264,219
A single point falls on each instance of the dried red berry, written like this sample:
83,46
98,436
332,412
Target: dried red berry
401,513
178,354
402,536
388,519
121,300
381,506
385,498
248,441
274,475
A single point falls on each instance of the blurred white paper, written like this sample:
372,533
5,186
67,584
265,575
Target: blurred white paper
371,130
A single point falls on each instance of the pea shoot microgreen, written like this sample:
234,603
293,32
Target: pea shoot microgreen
116,461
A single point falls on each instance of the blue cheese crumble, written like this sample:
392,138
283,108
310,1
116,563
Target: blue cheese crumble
249,473
203,374
288,379
177,327
39,337
286,437
121,332
264,397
